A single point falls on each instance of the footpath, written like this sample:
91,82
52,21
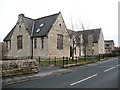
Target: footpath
47,71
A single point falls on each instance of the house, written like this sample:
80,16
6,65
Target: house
117,51
109,46
45,37
89,42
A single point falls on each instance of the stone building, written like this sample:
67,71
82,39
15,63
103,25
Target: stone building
49,37
90,42
45,37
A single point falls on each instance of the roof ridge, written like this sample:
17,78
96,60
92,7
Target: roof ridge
28,18
47,16
92,29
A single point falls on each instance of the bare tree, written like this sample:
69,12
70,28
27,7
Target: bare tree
73,39
85,43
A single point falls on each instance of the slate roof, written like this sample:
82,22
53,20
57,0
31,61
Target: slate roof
71,33
109,41
94,32
7,38
47,22
28,23
34,24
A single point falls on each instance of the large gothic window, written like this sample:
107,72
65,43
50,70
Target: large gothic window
59,41
19,42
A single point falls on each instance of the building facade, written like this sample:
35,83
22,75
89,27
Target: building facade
49,37
88,42
109,46
45,37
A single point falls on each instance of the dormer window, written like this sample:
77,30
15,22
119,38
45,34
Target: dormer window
38,30
41,25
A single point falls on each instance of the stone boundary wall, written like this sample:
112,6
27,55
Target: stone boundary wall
18,67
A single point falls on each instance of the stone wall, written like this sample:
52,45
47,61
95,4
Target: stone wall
101,43
89,49
39,51
18,67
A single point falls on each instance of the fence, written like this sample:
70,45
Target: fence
68,61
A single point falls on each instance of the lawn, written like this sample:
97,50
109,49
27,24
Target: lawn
67,61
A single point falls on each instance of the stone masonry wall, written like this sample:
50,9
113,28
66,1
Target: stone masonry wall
18,67
52,39
39,51
20,29
101,44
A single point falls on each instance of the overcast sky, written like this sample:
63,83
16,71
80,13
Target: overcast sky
91,13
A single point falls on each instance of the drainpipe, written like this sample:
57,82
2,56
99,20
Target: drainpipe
32,40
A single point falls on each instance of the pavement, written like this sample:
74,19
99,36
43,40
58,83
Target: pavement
45,71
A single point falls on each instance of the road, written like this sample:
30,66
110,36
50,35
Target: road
104,75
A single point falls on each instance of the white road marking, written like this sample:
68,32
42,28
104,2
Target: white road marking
118,65
109,69
83,79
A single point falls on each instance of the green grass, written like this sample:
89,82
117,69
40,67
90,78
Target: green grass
69,61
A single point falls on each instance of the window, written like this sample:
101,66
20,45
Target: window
6,44
35,43
41,25
42,42
19,42
59,41
107,45
109,50
38,30
75,50
19,27
60,24
10,44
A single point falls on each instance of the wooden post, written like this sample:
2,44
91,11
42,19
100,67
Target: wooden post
39,59
63,61
66,60
49,60
76,59
55,61
99,57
